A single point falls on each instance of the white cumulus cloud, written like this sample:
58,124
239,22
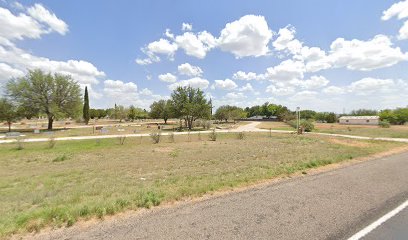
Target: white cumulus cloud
189,70
248,36
226,84
196,82
41,14
168,77
186,27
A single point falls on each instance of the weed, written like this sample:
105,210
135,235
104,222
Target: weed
148,199
241,136
174,153
51,142
213,136
60,158
199,136
155,137
20,143
171,137
122,140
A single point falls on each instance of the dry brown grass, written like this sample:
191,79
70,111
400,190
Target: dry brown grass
75,180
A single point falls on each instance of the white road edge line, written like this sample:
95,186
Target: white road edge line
380,221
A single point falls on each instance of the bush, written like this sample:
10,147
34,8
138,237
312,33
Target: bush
307,125
241,136
20,143
51,142
385,124
171,137
155,137
213,135
122,140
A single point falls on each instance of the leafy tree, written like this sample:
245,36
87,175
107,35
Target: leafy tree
190,104
389,116
326,117
9,112
120,112
161,109
97,113
401,115
397,116
364,112
56,95
85,110
228,112
308,114
331,118
132,113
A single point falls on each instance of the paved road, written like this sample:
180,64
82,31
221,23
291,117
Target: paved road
329,205
395,228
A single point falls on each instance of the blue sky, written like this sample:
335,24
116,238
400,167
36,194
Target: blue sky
322,55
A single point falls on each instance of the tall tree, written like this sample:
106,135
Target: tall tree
85,110
56,95
9,112
228,112
161,109
190,104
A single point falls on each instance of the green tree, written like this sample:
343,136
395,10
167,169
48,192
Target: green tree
190,104
161,109
9,112
120,112
401,115
55,95
364,112
85,111
228,112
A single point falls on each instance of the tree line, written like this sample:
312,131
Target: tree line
58,96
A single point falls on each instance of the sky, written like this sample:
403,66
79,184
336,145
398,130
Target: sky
322,55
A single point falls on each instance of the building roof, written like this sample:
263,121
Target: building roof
359,117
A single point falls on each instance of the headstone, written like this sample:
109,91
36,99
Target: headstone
13,134
104,130
36,131
121,130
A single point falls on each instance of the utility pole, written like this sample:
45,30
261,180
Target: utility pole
297,119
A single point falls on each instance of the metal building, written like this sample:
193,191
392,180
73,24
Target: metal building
360,120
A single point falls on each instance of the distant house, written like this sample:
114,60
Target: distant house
359,120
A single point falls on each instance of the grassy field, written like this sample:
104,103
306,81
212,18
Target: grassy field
111,128
42,186
395,131
275,126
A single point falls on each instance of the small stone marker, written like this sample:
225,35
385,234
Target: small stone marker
36,131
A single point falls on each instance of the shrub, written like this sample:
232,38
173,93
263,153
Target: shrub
20,143
51,142
155,137
385,124
213,135
60,158
241,136
199,136
122,140
171,137
307,125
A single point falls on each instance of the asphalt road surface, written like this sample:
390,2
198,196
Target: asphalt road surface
331,205
396,228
